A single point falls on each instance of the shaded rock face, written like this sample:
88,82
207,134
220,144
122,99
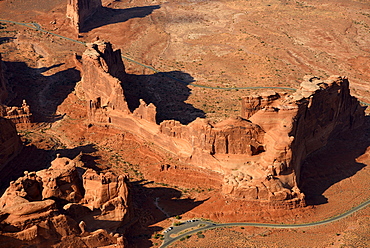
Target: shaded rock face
259,154
51,204
10,143
79,11
326,110
3,92
299,124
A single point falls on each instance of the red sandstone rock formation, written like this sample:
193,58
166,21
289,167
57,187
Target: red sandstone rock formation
46,206
79,11
259,154
17,114
299,124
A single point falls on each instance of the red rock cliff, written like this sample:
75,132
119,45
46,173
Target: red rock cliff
259,154
302,123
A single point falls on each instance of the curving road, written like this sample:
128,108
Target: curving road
37,27
209,225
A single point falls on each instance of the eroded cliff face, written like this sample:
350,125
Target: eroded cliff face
299,124
56,205
79,11
328,111
101,67
259,154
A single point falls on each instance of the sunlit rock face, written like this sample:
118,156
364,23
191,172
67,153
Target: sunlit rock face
259,154
55,204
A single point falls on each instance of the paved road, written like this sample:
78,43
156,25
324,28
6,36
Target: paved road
37,27
168,240
209,225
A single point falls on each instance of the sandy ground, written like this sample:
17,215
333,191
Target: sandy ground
214,43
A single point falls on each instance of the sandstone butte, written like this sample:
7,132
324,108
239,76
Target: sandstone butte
80,11
65,204
259,155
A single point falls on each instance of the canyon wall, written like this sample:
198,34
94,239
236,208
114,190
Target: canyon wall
56,205
3,91
79,11
10,143
258,154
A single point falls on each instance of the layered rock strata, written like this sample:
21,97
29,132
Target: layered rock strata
60,203
79,11
259,154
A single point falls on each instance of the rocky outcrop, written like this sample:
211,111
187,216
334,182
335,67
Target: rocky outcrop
260,154
101,67
232,136
79,11
57,204
299,124
17,114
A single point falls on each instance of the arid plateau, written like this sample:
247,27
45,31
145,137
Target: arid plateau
184,123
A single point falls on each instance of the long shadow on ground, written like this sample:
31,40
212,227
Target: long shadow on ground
168,95
105,16
334,162
43,93
148,213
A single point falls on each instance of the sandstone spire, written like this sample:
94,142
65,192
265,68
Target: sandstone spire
79,11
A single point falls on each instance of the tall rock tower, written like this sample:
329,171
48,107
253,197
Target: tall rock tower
79,11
